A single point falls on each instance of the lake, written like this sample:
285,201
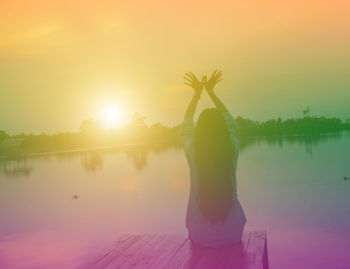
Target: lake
57,210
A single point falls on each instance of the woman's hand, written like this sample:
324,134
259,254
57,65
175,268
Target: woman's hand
214,79
209,86
193,81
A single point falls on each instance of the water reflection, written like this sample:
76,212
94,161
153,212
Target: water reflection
138,156
15,168
308,141
92,161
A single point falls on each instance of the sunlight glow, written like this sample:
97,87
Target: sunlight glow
112,116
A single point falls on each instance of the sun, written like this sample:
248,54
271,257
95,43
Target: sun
112,116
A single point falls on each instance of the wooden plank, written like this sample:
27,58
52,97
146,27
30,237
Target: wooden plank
255,252
180,258
191,256
178,252
161,247
265,257
167,251
224,257
102,254
148,253
134,254
104,260
129,252
234,257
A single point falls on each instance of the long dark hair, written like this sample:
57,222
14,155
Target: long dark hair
214,158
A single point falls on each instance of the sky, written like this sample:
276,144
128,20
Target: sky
64,61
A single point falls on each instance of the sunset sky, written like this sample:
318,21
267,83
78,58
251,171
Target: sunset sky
63,61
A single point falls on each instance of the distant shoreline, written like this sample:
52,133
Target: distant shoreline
91,137
83,150
244,142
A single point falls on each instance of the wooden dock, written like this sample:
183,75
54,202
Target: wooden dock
178,252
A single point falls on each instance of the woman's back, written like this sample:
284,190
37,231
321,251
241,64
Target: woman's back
204,230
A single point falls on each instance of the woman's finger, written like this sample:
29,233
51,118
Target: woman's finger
218,78
194,76
189,80
214,74
190,75
189,84
218,75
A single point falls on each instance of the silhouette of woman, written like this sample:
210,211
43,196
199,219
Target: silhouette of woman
214,216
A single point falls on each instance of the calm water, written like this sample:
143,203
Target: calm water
294,189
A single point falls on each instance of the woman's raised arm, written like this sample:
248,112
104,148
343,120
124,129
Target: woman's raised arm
197,86
230,121
209,86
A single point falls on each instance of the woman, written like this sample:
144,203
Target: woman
214,217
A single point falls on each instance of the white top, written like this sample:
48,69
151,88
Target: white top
202,231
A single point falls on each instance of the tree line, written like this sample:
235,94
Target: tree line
91,134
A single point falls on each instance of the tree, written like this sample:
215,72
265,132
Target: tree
3,136
306,112
138,120
90,126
